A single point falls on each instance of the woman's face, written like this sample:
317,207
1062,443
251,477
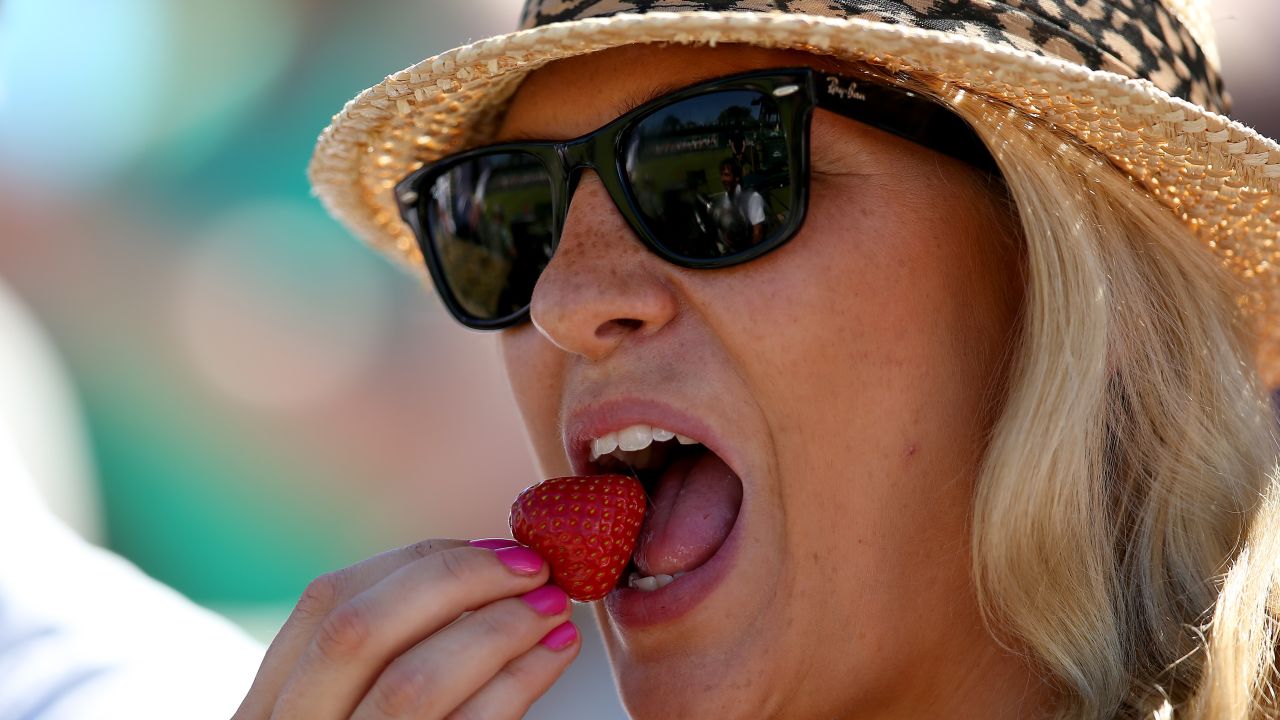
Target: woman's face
846,379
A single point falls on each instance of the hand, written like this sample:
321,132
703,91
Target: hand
438,629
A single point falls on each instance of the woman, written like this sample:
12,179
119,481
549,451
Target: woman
977,429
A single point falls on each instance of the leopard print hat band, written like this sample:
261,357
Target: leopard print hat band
1168,43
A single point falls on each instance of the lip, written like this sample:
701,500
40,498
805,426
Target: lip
587,423
636,609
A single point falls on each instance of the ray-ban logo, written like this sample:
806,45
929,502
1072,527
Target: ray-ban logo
848,93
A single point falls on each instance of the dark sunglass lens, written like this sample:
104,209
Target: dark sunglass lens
711,174
488,221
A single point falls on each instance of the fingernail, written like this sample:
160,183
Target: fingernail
547,600
493,543
562,637
520,559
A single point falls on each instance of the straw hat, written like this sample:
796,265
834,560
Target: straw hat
1135,79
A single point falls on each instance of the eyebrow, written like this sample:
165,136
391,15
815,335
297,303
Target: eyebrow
628,103
636,99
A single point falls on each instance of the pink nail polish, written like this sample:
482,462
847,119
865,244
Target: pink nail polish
493,543
547,600
520,559
562,637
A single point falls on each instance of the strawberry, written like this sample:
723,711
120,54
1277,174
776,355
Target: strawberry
586,527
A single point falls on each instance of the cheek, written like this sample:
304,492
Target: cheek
535,373
888,303
853,319
854,331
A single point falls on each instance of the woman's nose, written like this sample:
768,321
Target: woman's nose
602,285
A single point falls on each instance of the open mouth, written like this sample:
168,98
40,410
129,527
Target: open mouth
693,500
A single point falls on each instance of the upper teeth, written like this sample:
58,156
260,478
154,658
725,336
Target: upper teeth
634,437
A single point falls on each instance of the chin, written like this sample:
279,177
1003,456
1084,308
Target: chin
667,691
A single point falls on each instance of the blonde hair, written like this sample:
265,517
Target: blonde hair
1126,525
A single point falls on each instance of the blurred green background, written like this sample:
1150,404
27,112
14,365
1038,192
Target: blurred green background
263,399
254,398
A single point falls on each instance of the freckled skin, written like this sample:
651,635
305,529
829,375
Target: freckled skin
850,370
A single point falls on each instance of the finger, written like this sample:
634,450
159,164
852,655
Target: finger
356,641
321,596
510,694
493,543
442,671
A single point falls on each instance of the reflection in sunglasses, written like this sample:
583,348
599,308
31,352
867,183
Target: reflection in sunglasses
735,136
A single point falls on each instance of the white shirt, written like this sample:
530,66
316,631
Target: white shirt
85,634
750,203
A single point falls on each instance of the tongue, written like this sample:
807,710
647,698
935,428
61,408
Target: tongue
694,507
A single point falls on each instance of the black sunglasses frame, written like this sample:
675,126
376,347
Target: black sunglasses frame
797,91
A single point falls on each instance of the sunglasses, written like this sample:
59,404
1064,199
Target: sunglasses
709,176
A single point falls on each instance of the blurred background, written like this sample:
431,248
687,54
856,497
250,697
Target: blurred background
208,375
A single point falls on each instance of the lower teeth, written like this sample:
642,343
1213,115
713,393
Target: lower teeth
649,584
